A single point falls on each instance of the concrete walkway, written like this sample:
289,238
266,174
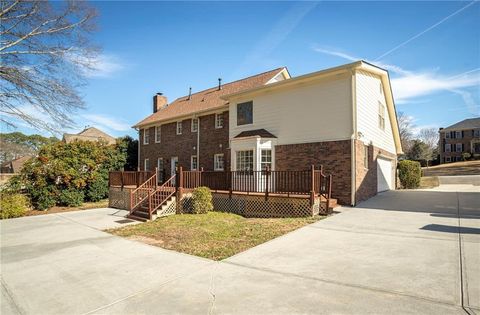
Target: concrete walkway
402,252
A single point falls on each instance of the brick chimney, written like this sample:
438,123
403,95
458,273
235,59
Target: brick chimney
158,102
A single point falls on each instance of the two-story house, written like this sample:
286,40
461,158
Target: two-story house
342,118
460,138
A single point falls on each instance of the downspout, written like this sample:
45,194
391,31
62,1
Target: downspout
138,148
353,149
198,143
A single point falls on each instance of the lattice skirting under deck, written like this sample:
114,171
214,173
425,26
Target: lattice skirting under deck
119,198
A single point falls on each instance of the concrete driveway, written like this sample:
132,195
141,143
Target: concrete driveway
400,252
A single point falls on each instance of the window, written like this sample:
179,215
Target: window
245,113
476,133
447,135
365,156
193,163
458,147
157,134
448,147
218,163
219,120
179,127
146,136
245,160
381,116
476,148
194,124
458,134
447,159
160,169
266,161
146,165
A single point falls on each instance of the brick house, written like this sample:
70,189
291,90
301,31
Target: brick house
459,138
342,118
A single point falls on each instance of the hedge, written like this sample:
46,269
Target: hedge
13,205
202,200
409,173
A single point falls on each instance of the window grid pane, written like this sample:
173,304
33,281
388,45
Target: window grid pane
218,162
266,159
245,160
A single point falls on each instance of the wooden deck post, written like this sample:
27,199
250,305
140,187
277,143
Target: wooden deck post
267,172
121,176
230,185
156,178
329,192
312,191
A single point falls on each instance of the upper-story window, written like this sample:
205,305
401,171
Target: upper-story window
447,147
381,116
219,120
245,113
157,134
476,133
447,134
194,124
179,128
146,136
458,134
459,147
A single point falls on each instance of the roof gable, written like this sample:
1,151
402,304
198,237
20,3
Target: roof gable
209,99
470,123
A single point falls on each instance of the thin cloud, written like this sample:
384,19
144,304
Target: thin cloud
107,122
258,56
98,66
408,85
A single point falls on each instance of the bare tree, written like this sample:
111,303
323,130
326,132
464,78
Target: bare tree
405,126
429,136
45,51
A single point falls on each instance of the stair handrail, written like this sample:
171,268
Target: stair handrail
161,194
139,194
325,187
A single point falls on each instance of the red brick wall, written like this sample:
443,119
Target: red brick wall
185,145
333,155
366,177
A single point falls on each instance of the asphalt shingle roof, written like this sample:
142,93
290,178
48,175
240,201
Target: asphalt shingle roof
470,123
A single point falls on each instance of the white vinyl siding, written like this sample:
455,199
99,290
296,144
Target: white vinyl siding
320,111
368,98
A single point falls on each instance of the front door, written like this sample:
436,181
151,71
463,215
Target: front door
174,164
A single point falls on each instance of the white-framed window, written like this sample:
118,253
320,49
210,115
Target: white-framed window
193,163
160,168
218,162
245,113
146,136
179,128
266,159
365,156
146,165
381,116
447,134
219,120
158,134
194,124
448,147
476,133
458,134
447,159
244,160
458,147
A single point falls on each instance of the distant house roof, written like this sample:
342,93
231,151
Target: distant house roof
262,133
14,166
470,123
208,99
89,134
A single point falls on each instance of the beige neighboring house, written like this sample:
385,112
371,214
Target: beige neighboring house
89,134
14,166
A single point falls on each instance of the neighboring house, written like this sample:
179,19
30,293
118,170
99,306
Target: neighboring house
342,118
459,138
14,166
89,134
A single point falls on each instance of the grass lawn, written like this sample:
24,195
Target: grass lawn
84,206
429,182
451,169
215,235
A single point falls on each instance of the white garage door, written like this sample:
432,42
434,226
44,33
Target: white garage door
384,174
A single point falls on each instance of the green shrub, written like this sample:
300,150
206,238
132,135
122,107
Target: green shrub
202,200
71,197
44,197
97,189
466,156
13,205
409,173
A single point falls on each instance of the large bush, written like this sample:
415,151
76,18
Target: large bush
409,173
202,200
69,173
13,205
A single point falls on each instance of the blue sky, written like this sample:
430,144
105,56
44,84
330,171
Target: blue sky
432,50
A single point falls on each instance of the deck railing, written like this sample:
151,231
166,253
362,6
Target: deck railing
142,192
128,178
160,195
